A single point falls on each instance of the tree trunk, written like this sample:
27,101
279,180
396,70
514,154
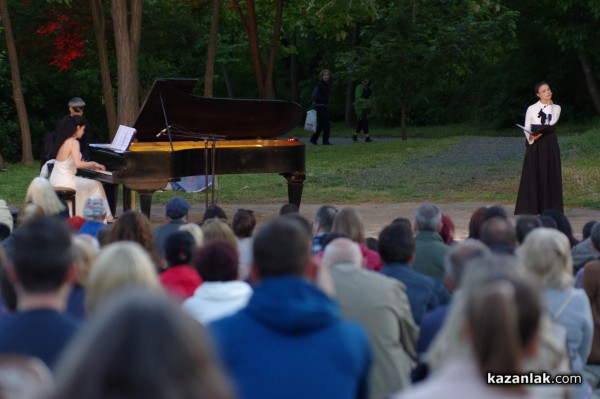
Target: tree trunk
227,80
273,50
403,130
211,51
127,43
107,90
349,111
294,89
26,151
254,48
590,81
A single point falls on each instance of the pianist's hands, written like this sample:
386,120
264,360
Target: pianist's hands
98,166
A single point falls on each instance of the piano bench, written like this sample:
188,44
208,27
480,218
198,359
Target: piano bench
68,195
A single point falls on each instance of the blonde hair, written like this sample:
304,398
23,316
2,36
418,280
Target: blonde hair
118,265
195,231
41,192
349,222
216,230
86,248
546,253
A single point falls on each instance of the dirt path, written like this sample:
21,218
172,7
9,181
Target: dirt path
377,216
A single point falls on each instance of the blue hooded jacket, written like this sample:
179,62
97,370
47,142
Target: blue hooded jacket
289,342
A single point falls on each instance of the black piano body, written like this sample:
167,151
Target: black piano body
179,134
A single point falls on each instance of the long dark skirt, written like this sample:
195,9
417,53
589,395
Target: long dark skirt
541,178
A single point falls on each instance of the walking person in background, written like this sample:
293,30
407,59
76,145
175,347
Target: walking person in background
541,178
362,107
320,99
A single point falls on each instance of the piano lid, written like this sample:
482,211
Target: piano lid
206,116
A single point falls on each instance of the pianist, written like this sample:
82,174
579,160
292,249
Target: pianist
67,155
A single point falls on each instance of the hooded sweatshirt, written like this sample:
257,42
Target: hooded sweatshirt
289,342
216,299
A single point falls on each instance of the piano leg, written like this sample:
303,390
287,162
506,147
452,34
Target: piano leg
146,201
295,185
128,200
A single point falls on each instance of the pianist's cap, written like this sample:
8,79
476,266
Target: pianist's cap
76,102
94,207
177,207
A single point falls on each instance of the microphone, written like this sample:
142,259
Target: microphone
161,132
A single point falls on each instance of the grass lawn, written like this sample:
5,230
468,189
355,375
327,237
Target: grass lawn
447,163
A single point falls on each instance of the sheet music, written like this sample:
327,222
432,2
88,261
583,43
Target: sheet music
121,141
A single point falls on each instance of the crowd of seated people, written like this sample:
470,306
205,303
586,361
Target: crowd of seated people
289,307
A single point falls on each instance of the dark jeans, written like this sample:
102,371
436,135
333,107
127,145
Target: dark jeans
322,124
362,124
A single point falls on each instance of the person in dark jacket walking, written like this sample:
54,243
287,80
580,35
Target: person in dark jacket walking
320,99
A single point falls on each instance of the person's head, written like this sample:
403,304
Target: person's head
366,82
595,236
76,105
95,208
458,257
288,208
447,231
549,222
42,256
179,248
494,211
428,217
342,250
41,193
86,248
177,208
475,222
195,230
503,311
216,230
74,127
562,224
498,234
396,244
325,75
133,226
214,211
586,231
349,222
28,212
526,223
243,223
119,265
216,261
142,346
543,92
324,219
281,248
546,253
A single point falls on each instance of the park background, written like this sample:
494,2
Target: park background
444,73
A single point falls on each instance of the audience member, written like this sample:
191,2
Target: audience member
41,271
475,222
214,211
119,265
8,301
500,319
526,223
494,211
430,250
41,193
586,231
94,211
499,235
179,278
562,224
218,230
6,218
349,222
134,226
243,226
222,293
140,345
548,221
177,214
74,223
397,251
447,231
288,208
591,285
196,231
85,249
381,306
322,226
288,318
546,253
586,250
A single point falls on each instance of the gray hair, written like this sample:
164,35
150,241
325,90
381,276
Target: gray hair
428,217
460,255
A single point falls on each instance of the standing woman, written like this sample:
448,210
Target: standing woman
67,154
320,99
541,177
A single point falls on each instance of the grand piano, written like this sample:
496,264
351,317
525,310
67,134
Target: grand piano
181,134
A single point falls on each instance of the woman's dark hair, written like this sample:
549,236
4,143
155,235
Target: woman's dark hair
216,261
537,86
476,221
243,223
562,224
65,131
